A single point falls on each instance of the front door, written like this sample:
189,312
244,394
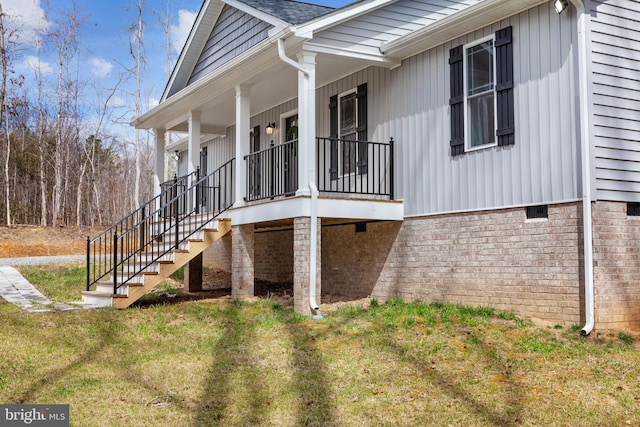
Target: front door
255,164
291,154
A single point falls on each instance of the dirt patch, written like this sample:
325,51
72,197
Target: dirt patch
26,241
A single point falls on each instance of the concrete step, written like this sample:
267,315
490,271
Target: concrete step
96,299
107,288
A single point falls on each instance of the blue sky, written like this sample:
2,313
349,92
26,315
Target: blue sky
104,40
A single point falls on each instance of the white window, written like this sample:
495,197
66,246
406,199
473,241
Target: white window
479,94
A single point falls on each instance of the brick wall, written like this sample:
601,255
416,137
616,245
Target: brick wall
301,257
274,256
616,248
218,255
352,261
242,269
495,258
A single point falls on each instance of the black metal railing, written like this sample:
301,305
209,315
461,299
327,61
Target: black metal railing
355,167
342,166
184,206
272,172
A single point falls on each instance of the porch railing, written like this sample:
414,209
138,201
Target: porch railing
272,172
159,226
355,167
342,167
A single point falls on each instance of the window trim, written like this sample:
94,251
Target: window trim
283,120
341,95
467,135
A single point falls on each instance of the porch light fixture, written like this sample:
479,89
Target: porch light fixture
560,5
270,128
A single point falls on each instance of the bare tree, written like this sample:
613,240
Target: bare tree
5,111
42,148
136,47
165,22
4,60
64,36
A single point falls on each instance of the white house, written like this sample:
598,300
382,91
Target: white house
484,152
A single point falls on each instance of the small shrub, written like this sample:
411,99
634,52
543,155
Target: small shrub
625,338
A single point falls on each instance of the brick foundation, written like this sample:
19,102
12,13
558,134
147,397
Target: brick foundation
352,261
494,258
274,256
301,251
242,271
616,254
218,255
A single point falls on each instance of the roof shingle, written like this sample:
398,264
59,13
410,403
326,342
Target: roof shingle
290,11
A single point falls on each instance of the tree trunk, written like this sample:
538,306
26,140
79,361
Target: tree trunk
4,111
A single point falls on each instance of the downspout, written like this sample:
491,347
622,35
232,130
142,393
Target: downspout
313,241
313,250
585,133
284,58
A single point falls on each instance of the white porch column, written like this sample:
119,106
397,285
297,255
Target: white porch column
243,111
193,154
159,163
307,121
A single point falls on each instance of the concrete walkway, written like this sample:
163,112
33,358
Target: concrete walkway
17,290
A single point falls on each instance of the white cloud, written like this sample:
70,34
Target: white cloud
27,19
180,32
153,102
34,63
117,101
101,67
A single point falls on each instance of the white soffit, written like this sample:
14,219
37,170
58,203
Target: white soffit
459,24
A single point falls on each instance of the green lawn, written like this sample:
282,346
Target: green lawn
219,363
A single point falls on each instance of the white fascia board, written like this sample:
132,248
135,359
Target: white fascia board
300,206
257,13
377,59
424,39
337,17
197,93
188,46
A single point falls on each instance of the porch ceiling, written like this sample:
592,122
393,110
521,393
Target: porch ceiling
272,82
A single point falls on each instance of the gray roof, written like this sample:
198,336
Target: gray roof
290,11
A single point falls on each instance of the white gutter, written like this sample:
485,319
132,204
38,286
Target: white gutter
585,132
313,240
283,56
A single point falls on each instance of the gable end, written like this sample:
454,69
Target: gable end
234,33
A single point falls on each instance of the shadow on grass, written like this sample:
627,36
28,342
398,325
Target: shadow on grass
236,363
107,333
231,357
452,385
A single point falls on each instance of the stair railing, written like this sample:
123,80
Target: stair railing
159,227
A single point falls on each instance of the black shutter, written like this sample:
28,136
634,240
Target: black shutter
504,87
333,134
456,101
255,139
363,154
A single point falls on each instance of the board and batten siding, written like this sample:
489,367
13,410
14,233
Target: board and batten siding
368,32
411,104
615,44
234,33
